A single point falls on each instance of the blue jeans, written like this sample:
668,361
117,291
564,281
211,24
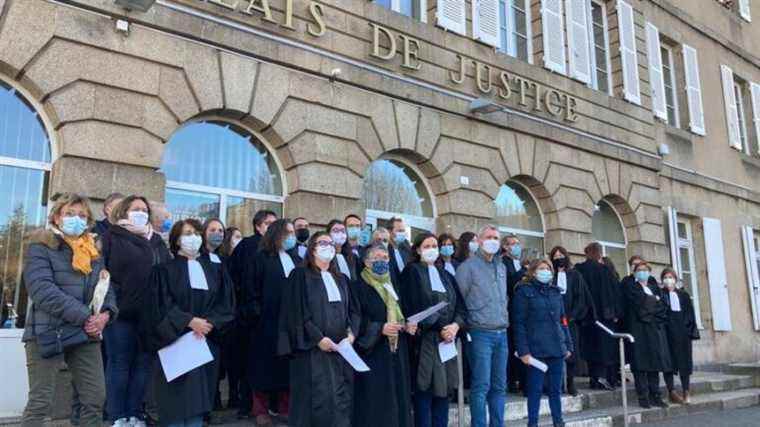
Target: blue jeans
430,411
535,385
128,371
189,422
488,365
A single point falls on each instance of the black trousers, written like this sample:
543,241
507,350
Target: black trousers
647,385
515,366
669,381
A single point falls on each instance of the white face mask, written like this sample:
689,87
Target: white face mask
326,253
138,218
473,246
491,246
430,255
338,237
669,282
190,244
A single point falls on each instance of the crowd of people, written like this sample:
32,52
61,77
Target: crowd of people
275,307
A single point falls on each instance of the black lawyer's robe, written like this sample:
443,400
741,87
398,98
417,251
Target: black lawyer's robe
321,392
267,372
382,395
515,367
406,256
578,304
428,373
646,316
172,305
597,347
681,331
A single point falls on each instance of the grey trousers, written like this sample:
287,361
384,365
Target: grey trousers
86,366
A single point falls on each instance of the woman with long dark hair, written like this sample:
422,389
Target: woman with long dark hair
344,256
447,247
315,318
467,244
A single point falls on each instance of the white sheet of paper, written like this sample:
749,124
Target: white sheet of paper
388,287
333,293
447,350
347,352
214,258
183,355
541,366
197,276
424,314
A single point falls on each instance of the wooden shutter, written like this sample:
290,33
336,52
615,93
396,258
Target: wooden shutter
656,78
628,55
755,94
673,237
553,35
578,39
451,15
716,275
732,113
693,91
753,275
486,22
744,10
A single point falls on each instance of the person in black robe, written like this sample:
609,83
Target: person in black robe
598,349
240,265
262,289
382,395
400,250
511,251
315,317
344,256
178,303
578,303
424,285
681,331
646,317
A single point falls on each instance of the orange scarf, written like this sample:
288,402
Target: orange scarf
84,252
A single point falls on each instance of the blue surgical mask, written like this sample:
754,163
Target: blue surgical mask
166,226
544,276
289,242
399,237
365,237
516,251
353,232
642,276
215,239
447,250
73,226
380,267
473,246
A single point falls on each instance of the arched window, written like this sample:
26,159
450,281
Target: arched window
216,169
607,229
25,159
392,188
517,212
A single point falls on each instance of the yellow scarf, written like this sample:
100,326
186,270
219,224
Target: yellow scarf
84,252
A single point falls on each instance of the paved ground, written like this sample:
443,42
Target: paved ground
748,417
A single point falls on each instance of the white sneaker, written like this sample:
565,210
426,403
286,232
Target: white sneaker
136,422
121,422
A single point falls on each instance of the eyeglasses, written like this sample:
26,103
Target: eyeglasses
325,243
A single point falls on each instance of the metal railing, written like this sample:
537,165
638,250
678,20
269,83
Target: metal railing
621,340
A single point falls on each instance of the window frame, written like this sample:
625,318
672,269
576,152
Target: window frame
617,245
508,26
688,244
396,7
739,86
670,65
592,46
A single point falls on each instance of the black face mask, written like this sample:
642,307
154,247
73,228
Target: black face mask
302,235
559,263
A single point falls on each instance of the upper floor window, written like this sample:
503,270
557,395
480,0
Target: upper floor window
515,28
742,7
669,83
742,103
600,46
416,9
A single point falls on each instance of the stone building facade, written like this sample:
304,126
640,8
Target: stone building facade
328,88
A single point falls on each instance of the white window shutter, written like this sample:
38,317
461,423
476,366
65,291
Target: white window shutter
553,35
755,94
656,79
486,22
673,237
732,114
753,275
578,39
716,274
451,15
744,10
628,55
693,91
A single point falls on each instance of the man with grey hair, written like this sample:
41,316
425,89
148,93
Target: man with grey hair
482,280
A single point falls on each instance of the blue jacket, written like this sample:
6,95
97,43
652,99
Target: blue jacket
539,325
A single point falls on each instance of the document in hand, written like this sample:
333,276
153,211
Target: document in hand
347,352
447,351
183,355
424,314
541,366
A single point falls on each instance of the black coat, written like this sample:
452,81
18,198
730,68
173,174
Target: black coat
597,347
242,258
130,259
406,256
262,288
578,306
646,317
171,305
681,331
321,383
428,373
382,395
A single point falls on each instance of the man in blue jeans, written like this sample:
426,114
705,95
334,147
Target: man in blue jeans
482,280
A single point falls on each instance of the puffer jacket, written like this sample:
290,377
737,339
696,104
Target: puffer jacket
59,294
540,321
